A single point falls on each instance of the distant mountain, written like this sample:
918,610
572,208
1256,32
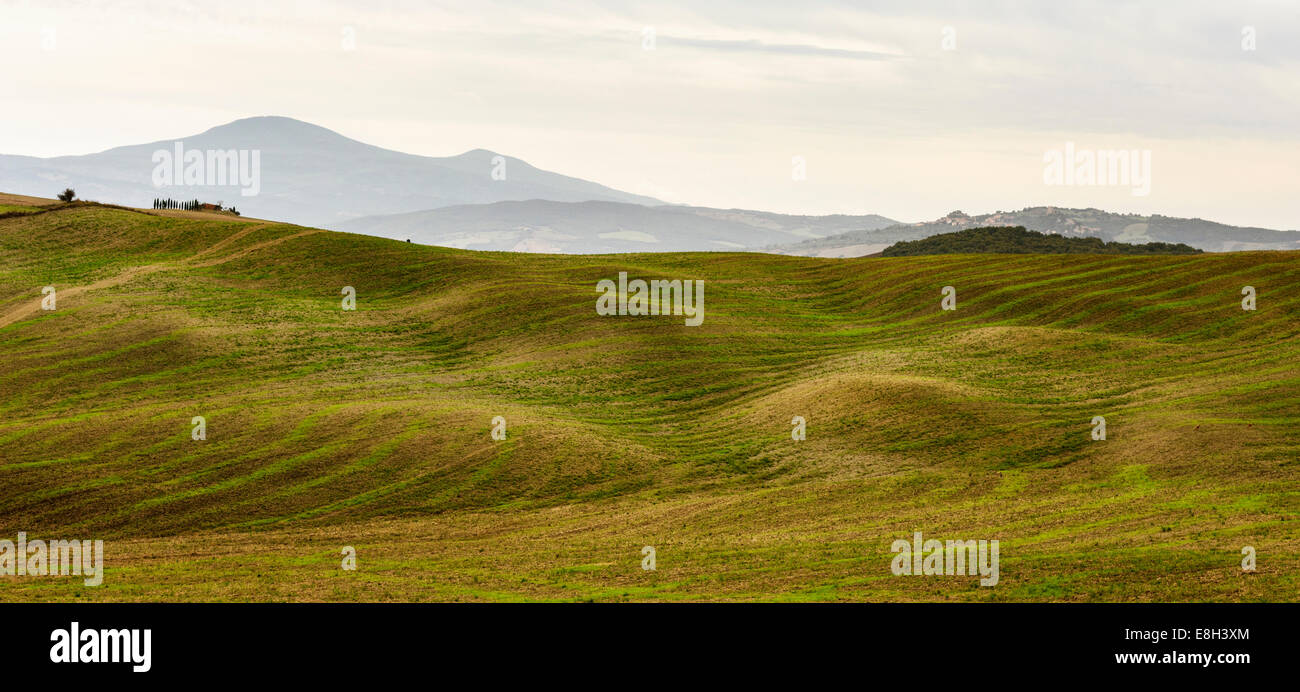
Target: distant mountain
1124,228
308,175
600,227
1016,240
313,176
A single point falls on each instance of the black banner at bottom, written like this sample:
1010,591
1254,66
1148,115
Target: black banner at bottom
643,643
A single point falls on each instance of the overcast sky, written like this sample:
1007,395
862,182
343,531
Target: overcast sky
708,102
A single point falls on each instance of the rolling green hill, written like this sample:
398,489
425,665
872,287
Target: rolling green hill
1016,240
371,428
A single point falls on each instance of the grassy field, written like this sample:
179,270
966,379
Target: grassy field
371,428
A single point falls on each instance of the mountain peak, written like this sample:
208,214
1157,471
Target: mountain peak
276,128
266,123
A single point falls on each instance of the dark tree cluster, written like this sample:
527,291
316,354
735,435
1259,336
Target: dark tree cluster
190,205
170,203
1017,240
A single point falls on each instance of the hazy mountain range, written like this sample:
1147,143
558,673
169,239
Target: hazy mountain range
1124,228
309,175
483,200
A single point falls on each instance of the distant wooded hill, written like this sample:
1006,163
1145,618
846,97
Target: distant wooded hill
1013,240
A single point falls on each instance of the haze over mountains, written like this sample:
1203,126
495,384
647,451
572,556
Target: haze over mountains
313,176
596,227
